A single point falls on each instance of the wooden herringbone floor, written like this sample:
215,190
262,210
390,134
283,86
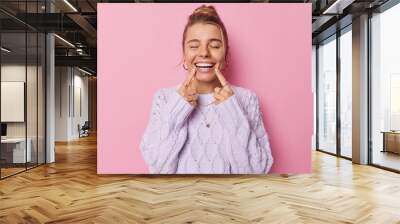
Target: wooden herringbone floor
69,191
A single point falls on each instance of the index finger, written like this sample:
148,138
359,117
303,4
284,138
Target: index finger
220,77
190,77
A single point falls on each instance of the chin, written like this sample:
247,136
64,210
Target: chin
205,77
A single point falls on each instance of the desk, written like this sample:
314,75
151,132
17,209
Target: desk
391,141
15,148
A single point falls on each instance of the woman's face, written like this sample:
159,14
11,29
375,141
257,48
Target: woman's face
204,48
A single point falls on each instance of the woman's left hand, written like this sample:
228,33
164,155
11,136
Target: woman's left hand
222,94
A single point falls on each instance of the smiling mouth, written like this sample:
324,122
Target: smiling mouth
204,67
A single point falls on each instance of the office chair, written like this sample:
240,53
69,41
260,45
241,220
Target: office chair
84,130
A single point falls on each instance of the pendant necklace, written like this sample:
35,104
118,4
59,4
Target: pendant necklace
208,124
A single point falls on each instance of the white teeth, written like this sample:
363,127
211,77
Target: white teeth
204,64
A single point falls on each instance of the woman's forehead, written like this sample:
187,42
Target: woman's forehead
203,31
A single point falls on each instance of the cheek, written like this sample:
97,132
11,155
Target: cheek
219,56
189,55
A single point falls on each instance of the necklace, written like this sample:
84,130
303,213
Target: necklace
204,99
208,124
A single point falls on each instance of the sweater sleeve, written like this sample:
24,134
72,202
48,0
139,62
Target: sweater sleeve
166,132
249,150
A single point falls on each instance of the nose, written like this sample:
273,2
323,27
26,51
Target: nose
203,52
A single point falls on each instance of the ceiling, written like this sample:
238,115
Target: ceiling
76,22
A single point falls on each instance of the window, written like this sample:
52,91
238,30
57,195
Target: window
346,93
385,88
327,95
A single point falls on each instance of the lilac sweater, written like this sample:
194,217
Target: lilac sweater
177,139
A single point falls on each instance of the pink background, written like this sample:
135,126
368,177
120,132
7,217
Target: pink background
139,51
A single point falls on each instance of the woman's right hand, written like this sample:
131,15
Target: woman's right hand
188,89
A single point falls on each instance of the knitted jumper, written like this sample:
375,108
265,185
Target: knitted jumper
177,138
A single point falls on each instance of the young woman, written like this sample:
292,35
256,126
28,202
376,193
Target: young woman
205,125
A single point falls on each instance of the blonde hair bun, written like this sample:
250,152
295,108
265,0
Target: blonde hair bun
206,10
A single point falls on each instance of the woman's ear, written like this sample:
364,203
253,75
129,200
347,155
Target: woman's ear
223,65
185,65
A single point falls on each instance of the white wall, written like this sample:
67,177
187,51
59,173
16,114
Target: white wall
81,100
12,73
17,73
62,81
71,93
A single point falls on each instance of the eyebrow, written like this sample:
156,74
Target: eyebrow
214,39
211,40
193,40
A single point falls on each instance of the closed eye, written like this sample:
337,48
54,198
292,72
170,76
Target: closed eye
215,43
